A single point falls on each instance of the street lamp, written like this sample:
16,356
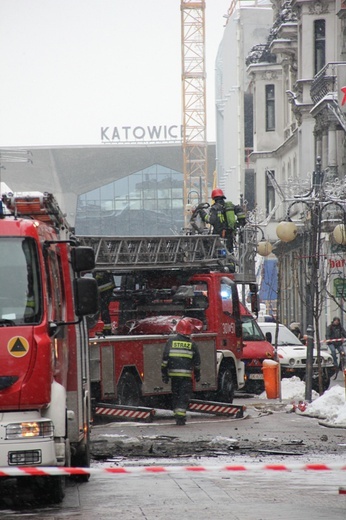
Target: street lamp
264,248
339,234
287,231
316,201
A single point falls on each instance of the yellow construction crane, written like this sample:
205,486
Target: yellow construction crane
195,147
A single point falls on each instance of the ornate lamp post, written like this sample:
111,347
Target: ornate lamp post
316,202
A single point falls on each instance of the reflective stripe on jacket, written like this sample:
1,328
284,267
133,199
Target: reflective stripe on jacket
180,357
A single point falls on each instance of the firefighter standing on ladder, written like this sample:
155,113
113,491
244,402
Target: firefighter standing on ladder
180,360
224,216
106,285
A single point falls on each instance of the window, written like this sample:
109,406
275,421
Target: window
21,300
226,296
146,202
270,108
320,44
270,194
251,331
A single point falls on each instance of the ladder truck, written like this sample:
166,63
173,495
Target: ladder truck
159,280
45,410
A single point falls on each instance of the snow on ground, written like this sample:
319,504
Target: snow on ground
329,407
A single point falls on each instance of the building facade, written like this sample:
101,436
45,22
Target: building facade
297,80
248,22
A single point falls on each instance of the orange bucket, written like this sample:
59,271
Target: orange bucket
270,370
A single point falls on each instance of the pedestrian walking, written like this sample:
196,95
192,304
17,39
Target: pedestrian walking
295,328
335,335
180,361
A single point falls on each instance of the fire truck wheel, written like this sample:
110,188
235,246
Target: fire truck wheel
226,386
82,459
129,392
50,490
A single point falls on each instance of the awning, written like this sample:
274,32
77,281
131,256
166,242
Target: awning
268,280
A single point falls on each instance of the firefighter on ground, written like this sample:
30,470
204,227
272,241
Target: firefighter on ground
225,217
106,285
335,336
180,361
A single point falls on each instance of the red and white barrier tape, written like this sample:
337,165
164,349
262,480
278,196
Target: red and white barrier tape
136,470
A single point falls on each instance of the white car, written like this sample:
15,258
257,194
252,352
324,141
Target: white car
292,355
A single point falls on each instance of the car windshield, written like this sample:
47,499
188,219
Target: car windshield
20,296
285,337
251,331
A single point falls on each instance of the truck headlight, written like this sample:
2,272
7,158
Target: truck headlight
292,362
26,430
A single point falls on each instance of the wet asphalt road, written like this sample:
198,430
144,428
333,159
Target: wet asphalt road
268,427
269,433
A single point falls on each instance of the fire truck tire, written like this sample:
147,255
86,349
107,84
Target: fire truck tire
50,490
82,461
82,456
55,489
129,392
226,386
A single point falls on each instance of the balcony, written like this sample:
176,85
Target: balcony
323,83
326,91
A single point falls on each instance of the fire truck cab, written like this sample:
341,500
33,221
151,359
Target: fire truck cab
44,375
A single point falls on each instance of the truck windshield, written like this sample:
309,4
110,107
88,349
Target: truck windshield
251,331
20,294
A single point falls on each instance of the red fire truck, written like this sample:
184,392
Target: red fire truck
44,374
158,281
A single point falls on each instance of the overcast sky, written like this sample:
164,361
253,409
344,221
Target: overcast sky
70,67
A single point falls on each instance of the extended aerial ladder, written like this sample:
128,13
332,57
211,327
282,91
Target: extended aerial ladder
125,254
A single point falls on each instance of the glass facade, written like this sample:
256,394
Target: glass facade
148,202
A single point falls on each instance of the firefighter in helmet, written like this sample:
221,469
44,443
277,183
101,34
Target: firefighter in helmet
180,361
106,285
224,216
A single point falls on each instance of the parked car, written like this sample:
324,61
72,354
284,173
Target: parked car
292,355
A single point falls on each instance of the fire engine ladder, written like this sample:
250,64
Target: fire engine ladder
125,254
159,252
34,204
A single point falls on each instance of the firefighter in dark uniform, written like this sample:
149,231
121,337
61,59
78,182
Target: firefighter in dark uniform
225,217
106,285
180,361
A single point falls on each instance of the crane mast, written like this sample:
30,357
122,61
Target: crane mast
195,163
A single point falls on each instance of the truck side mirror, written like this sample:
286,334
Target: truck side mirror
269,336
83,259
85,296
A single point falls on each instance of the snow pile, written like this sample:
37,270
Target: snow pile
330,407
293,389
